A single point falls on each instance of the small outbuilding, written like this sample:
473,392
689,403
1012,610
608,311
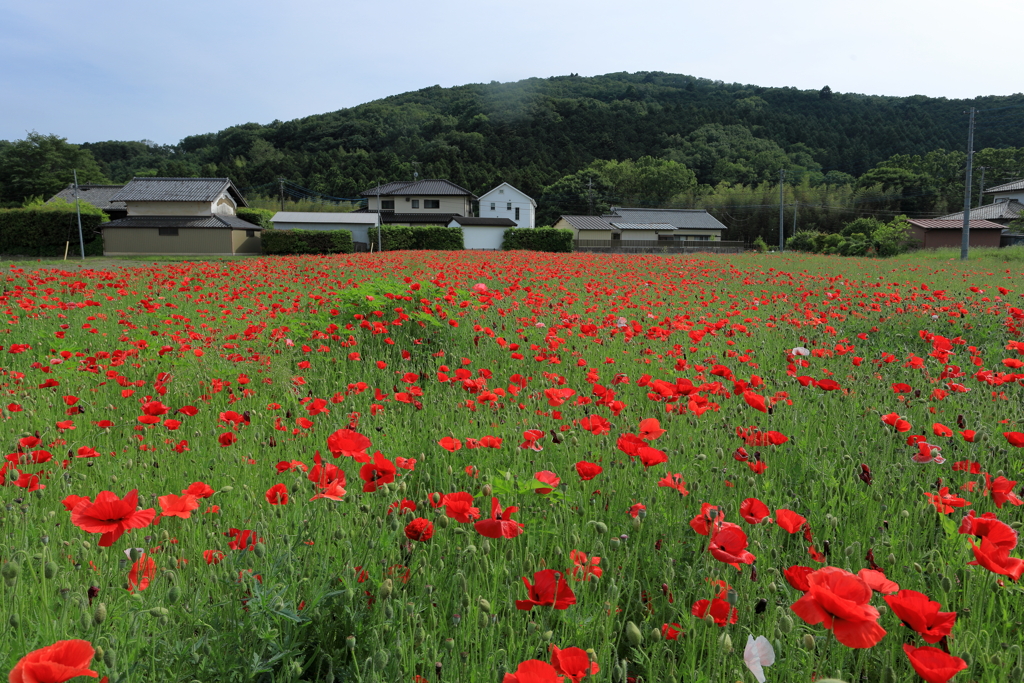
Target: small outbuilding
180,216
936,233
96,195
361,225
482,233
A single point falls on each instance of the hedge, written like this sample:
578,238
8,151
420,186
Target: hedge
45,231
260,217
538,239
306,242
432,237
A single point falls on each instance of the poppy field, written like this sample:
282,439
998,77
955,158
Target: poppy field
516,467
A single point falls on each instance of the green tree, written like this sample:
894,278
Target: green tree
42,165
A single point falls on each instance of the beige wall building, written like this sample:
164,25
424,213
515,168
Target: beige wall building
419,202
185,216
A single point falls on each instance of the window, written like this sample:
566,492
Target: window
501,191
415,203
387,205
431,203
167,232
509,207
250,233
517,213
492,206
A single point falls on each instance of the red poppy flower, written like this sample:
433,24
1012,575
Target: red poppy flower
178,506
490,442
967,466
939,429
380,471
549,478
549,588
419,529
753,511
997,559
596,425
459,506
729,545
213,556
671,631
920,613
500,524
142,572
650,429
896,422
674,481
651,456
111,516
588,470
533,671
796,576
755,401
227,438
932,664
636,508
708,517
573,662
1015,438
789,520
1001,489
450,444
277,494
62,661
530,439
199,490
583,568
878,581
334,490
71,501
349,443
402,506
244,539
839,600
720,610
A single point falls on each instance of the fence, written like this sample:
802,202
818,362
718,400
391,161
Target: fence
659,246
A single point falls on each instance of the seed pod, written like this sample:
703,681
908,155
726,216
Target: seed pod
99,615
85,621
614,544
350,642
601,528
633,635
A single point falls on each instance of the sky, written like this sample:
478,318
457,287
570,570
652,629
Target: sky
161,71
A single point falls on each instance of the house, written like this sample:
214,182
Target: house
181,216
1007,205
936,233
482,233
624,223
418,202
360,224
97,195
505,201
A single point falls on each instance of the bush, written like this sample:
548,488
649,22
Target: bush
260,217
44,230
538,239
805,240
864,226
307,242
893,238
856,244
759,245
430,237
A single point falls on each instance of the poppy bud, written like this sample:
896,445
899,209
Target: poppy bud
389,611
808,641
656,635
702,456
485,546
99,615
531,627
633,635
636,523
772,588
731,596
50,569
601,527
995,660
918,568
159,611
486,489
726,642
786,624
547,636
385,588
485,606
10,572
173,594
14,621
1016,673
947,585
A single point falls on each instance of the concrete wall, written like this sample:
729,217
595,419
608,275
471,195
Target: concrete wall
448,204
246,245
127,241
169,208
638,235
483,237
593,234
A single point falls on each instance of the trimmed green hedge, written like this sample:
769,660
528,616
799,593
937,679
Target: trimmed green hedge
306,241
538,239
260,217
44,231
433,237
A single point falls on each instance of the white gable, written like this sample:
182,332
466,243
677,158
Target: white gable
506,193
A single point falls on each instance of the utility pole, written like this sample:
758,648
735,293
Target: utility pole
795,205
281,185
965,232
379,216
981,194
81,240
590,195
782,206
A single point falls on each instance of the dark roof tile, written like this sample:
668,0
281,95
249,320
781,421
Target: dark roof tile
428,187
215,221
97,195
937,224
177,190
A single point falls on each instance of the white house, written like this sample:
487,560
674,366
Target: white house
482,233
505,201
361,225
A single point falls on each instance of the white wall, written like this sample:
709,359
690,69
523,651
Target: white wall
169,208
1016,194
501,196
448,204
482,238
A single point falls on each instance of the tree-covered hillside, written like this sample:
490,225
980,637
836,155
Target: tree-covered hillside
535,132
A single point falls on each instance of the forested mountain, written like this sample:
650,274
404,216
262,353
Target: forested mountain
545,135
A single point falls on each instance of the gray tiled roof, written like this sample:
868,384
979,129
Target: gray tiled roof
470,221
644,226
424,218
588,222
215,221
177,190
990,212
418,187
937,224
679,218
1007,187
97,195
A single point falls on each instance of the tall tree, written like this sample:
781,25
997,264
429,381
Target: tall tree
40,165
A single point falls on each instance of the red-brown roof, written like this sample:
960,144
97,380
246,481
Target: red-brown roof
934,224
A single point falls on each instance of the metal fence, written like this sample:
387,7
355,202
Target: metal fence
659,246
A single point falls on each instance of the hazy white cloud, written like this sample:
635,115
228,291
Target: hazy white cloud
114,69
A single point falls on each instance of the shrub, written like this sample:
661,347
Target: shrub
538,239
856,244
44,230
805,240
429,237
864,226
759,245
260,217
828,243
893,238
307,242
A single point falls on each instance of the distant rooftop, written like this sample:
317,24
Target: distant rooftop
97,195
418,187
1007,187
178,190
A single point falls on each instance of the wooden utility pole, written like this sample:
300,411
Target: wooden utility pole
965,232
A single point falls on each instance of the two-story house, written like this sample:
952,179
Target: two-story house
505,201
419,202
1007,205
187,216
